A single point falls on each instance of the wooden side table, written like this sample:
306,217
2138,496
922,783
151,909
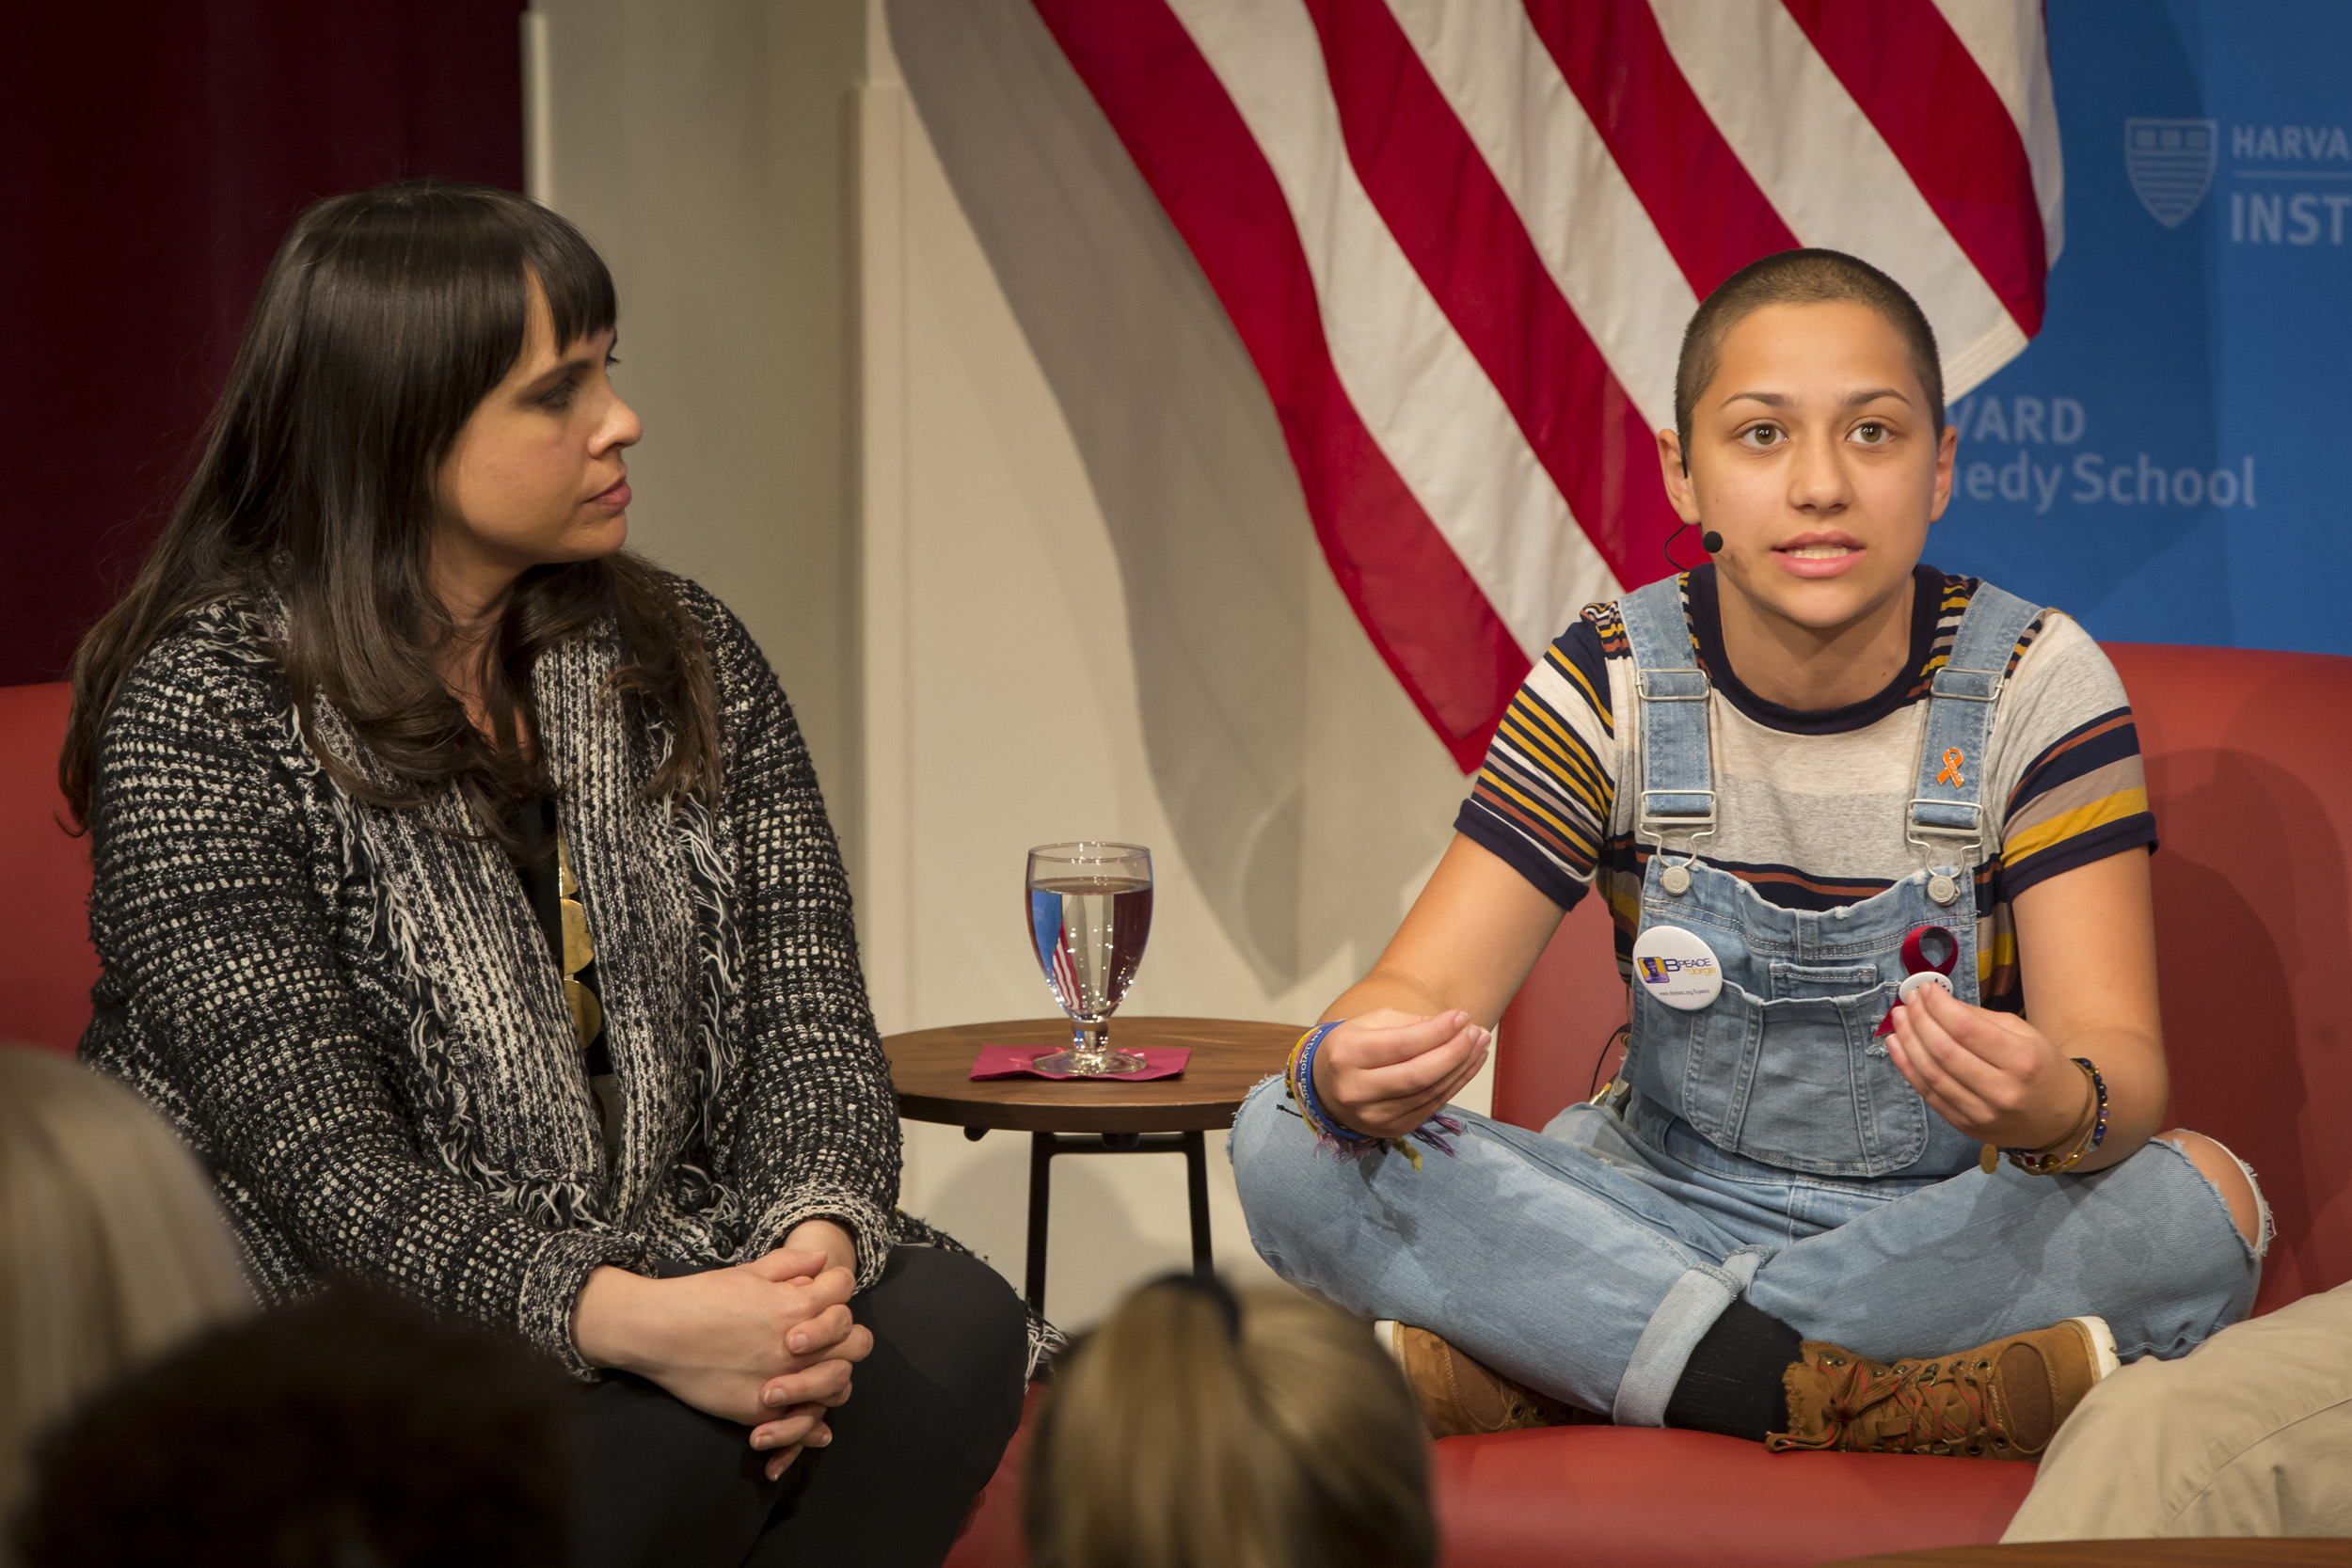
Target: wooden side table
931,1070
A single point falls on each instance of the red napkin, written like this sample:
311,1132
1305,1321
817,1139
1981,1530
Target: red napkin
1018,1061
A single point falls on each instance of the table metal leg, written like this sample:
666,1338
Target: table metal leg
1041,1203
1044,1145
1197,1188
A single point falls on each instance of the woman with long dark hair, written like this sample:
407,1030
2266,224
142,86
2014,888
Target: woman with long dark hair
467,901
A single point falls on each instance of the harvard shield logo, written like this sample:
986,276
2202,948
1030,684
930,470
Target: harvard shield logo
2170,163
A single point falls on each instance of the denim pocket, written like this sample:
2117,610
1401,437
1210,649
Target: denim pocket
1802,1083
1820,980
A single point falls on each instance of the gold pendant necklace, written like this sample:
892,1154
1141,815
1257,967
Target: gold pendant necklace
578,952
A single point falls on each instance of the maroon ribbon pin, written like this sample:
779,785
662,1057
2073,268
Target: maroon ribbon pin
1927,950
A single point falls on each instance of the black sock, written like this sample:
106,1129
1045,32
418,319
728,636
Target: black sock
1731,1384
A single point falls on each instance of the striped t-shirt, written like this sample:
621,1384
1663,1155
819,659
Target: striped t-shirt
1809,806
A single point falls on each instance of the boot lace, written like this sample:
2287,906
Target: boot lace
1942,1406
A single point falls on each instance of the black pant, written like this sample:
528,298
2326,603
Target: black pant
930,1415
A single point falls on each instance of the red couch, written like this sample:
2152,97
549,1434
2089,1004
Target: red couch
2249,769
46,963
2249,774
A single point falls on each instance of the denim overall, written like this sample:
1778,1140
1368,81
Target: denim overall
1785,1067
1768,1148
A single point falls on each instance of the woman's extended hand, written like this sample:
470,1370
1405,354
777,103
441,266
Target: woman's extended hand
1991,1075
1385,1072
768,1343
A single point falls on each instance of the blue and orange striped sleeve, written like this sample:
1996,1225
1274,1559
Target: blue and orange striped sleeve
2083,797
1542,798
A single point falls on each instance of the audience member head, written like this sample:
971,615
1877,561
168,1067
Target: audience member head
1197,1427
415,460
348,1429
112,1248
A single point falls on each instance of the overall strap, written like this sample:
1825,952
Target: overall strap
1677,773
1948,802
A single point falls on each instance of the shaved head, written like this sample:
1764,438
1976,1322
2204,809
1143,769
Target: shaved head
1801,277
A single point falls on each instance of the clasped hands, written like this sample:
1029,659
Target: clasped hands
769,1343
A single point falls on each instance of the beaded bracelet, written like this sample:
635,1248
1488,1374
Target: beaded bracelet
1301,1072
1299,1078
2050,1164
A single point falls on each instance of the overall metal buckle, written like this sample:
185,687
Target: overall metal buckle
1676,878
1942,887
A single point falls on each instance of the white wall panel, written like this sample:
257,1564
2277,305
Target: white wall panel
866,458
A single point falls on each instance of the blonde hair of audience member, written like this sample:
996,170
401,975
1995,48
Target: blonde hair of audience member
112,1248
1262,1430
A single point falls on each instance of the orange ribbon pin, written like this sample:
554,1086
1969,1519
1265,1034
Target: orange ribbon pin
1951,769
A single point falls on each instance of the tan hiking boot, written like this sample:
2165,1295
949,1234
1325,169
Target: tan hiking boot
2002,1400
1460,1396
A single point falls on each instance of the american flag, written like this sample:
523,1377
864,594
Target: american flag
1460,240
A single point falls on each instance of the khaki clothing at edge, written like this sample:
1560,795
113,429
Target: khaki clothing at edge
2248,1434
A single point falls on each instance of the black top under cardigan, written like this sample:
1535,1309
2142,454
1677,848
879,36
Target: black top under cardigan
352,1015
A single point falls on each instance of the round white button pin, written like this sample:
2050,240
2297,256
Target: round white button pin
1677,968
1924,978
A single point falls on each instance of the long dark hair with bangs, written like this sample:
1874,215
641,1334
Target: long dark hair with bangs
386,318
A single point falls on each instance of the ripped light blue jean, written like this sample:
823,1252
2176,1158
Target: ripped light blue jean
1588,1260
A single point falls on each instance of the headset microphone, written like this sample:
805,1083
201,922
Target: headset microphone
1711,542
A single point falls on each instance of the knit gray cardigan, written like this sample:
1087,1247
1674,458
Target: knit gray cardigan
352,1015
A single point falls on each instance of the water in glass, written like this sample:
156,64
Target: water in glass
1090,909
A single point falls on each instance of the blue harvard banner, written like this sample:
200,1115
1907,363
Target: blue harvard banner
2169,461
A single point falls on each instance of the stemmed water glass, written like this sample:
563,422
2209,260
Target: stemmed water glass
1090,909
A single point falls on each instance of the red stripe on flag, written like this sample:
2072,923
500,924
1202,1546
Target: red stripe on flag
1457,225
1924,92
1710,213
1423,613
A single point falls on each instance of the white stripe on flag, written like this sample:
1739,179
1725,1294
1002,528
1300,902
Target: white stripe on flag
1595,236
2005,39
1828,172
1425,400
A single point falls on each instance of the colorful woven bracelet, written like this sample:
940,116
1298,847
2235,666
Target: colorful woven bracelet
2050,1164
1300,1080
1302,1084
